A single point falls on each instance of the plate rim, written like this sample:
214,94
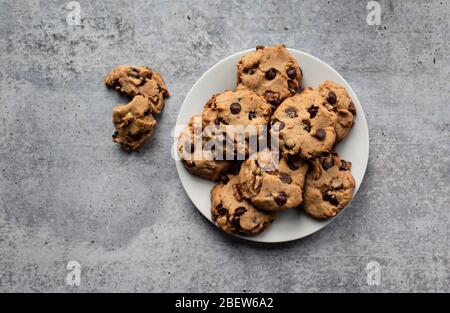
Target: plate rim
326,222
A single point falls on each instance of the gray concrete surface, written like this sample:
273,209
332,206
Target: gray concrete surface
68,193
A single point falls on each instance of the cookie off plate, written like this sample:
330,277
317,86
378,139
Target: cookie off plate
291,224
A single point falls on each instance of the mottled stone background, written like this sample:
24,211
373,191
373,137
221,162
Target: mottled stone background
68,193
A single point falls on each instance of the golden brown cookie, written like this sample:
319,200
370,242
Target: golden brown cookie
139,80
195,154
272,184
271,72
337,97
234,214
305,125
329,186
242,109
134,123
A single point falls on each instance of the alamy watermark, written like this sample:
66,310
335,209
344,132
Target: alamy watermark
73,277
374,15
73,18
196,142
373,269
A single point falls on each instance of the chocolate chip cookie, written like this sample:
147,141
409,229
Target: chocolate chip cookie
272,184
271,72
243,109
304,125
233,213
341,103
134,123
329,186
139,80
198,157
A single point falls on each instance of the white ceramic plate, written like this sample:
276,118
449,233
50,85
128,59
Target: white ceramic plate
291,224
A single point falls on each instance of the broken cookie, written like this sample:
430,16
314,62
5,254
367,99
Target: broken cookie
134,123
139,80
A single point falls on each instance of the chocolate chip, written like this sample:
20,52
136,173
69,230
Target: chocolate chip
281,198
343,166
251,115
235,108
326,196
258,47
224,178
307,126
221,210
333,200
320,133
285,178
277,126
293,163
251,71
236,223
326,164
116,133
219,121
291,73
313,111
240,211
143,81
351,108
331,97
291,112
270,74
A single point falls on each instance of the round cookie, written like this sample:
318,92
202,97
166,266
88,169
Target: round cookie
271,72
139,80
341,103
240,107
233,213
304,125
271,186
244,110
329,186
197,155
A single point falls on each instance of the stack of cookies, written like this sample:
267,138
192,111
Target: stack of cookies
293,167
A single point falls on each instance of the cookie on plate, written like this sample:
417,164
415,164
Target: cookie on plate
241,107
233,213
273,184
305,125
139,80
198,156
134,123
243,110
341,103
329,186
272,72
